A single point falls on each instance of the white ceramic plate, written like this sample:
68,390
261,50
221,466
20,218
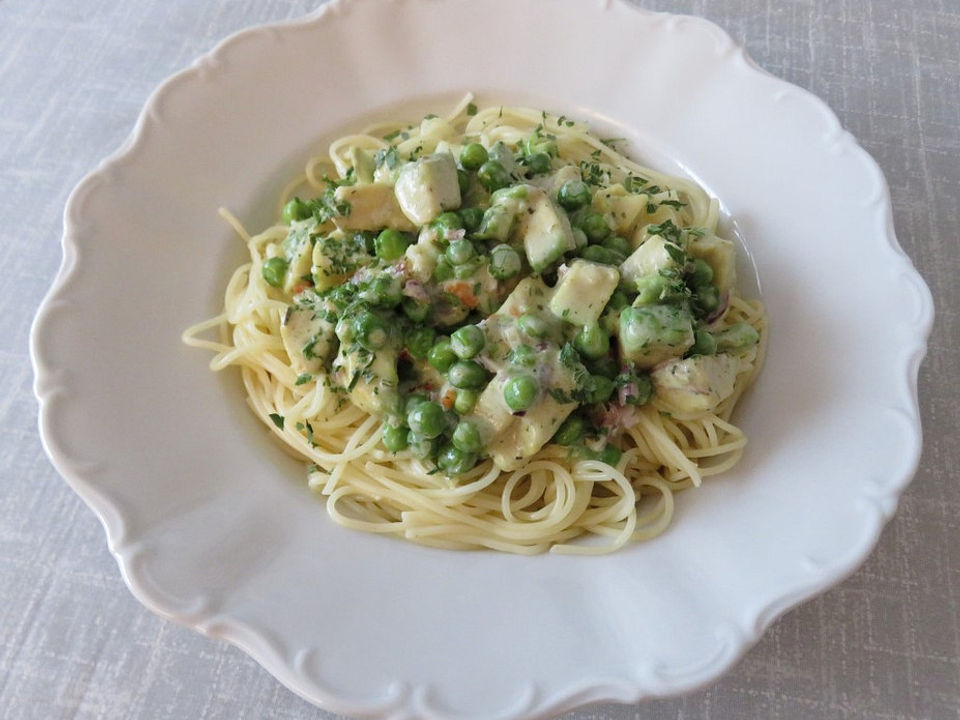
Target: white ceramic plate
213,525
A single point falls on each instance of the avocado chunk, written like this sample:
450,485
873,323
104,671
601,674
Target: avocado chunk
336,257
373,206
307,332
720,255
696,384
297,250
370,378
625,208
583,292
427,187
512,438
547,234
650,258
654,333
737,337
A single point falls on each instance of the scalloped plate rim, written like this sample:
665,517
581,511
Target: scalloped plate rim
596,691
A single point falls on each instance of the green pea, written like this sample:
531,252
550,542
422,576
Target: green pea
465,401
504,262
383,291
650,289
536,143
538,163
524,356
395,438
700,273
443,271
447,222
533,325
493,176
704,343
370,330
295,209
573,195
620,244
737,337
466,437
390,244
606,365
595,226
610,455
274,271
420,341
422,447
471,217
467,270
513,192
426,419
570,431
346,330
602,255
441,355
460,252
592,342
467,342
463,181
453,461
599,389
416,310
413,401
467,375
706,299
520,392
472,156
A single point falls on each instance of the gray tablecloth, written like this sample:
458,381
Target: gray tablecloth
73,641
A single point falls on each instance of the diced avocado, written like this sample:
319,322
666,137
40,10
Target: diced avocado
547,234
738,336
491,412
427,187
531,295
511,439
502,154
336,257
422,260
498,221
528,433
373,206
583,292
625,208
363,164
307,332
298,252
654,333
720,255
370,378
650,258
696,384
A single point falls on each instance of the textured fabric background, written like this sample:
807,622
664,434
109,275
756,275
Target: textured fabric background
73,641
